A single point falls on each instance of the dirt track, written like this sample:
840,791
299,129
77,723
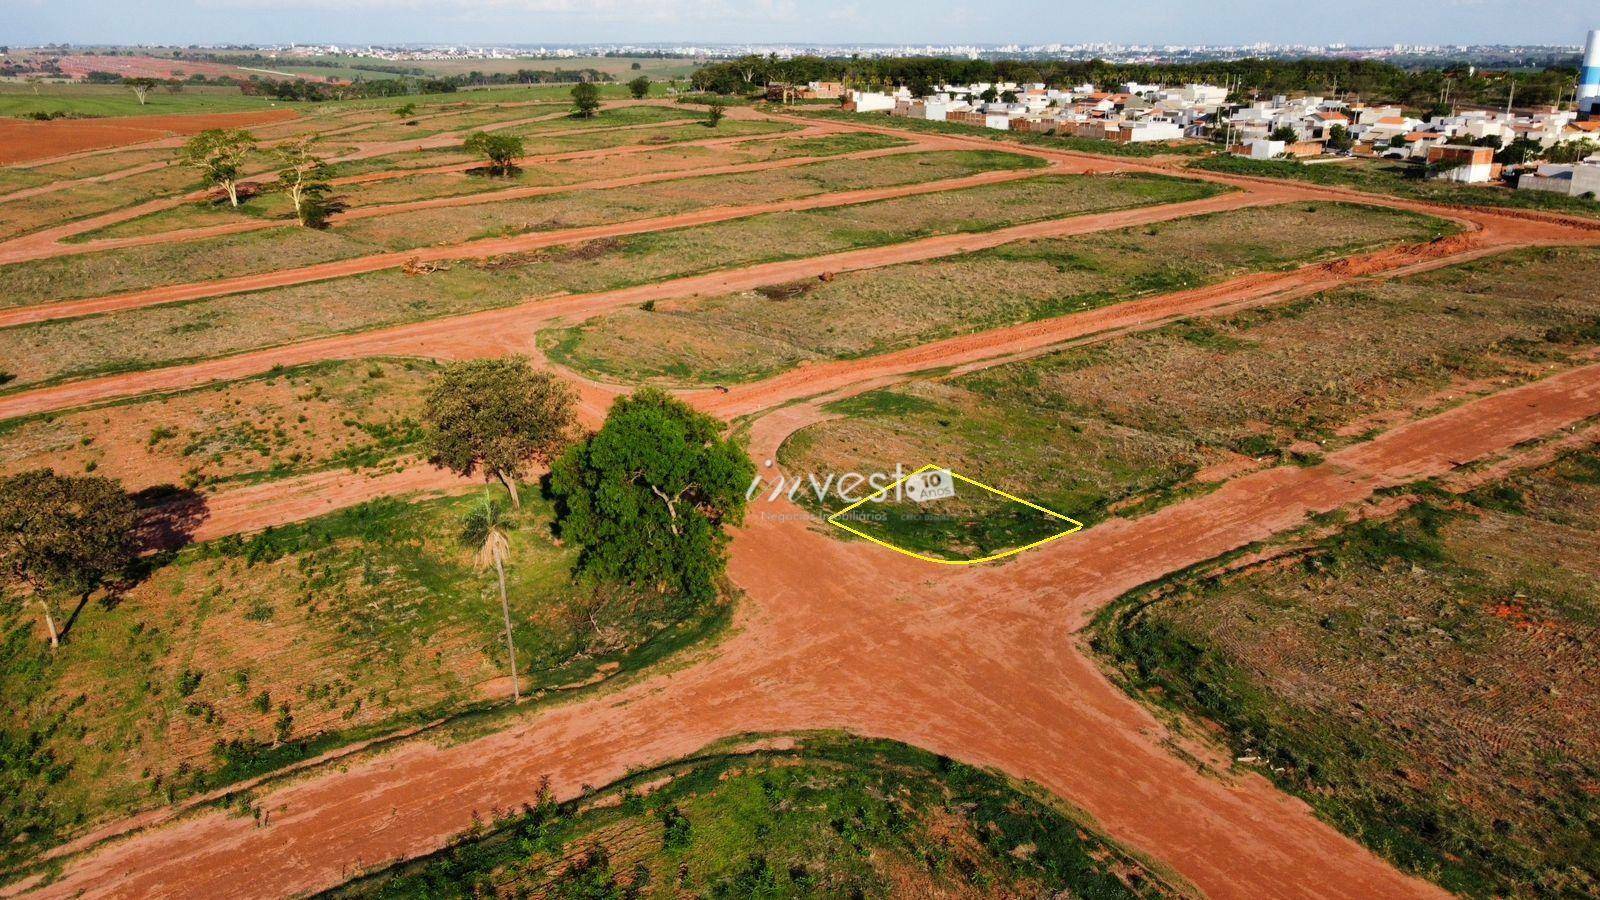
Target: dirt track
981,665
501,196
481,249
853,651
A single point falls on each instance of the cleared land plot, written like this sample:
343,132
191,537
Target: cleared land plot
28,214
1401,179
1132,421
238,656
1428,684
449,225
333,414
837,816
426,186
133,268
454,224
95,100
749,335
171,333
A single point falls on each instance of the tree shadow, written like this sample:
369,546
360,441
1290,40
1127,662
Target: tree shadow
490,171
168,518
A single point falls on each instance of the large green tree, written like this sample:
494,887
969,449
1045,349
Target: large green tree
501,150
639,87
647,497
586,97
63,536
497,415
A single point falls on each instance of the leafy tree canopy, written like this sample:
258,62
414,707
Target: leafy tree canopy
501,150
646,498
64,534
498,415
639,87
586,97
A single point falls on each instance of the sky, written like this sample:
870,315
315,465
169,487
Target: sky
1361,22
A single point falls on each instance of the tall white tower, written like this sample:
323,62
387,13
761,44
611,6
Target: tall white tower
1589,76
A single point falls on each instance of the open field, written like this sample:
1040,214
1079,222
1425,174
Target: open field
1399,179
171,333
305,680
22,140
98,100
817,814
741,337
1425,683
334,414
234,657
622,68
153,265
1118,425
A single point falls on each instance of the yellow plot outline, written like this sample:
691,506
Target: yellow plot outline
832,520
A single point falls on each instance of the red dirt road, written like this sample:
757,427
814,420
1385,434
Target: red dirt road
856,650
379,210
513,329
479,249
982,665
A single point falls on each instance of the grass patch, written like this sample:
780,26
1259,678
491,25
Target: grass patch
237,656
1413,679
837,816
753,334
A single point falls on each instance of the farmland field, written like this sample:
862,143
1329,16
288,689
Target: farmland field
1118,425
750,335
241,655
115,100
202,328
1418,681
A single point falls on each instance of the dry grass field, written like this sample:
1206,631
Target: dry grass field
334,414
133,268
241,655
171,333
1120,424
1426,683
741,337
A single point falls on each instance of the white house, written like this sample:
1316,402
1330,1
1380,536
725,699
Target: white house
1571,179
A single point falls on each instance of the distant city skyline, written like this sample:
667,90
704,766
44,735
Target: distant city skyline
1158,22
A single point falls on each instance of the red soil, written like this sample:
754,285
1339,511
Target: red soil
79,66
853,650
982,664
22,140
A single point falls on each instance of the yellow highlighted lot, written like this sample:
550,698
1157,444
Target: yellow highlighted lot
1071,524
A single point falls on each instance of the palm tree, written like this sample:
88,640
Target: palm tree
485,528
